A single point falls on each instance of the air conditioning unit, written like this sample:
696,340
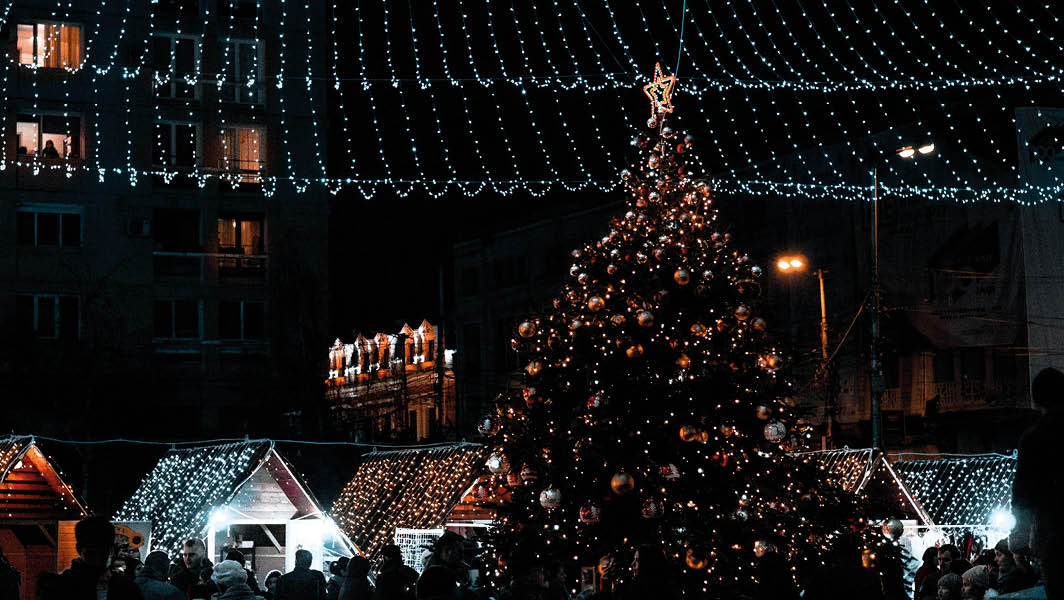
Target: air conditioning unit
139,227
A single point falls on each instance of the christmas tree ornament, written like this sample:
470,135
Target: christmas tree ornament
617,319
893,528
762,547
550,498
622,483
640,257
653,509
611,269
595,400
488,425
742,312
526,329
669,472
868,558
589,514
595,303
696,558
534,368
760,324
645,318
528,474
727,430
606,565
498,463
689,433
582,278
482,491
634,351
698,328
681,277
683,361
755,271
775,431
513,479
763,412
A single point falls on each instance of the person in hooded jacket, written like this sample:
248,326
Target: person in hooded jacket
253,580
356,583
338,570
232,579
90,576
152,579
395,580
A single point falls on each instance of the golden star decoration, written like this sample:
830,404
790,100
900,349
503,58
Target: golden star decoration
659,91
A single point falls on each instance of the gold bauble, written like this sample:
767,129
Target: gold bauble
683,361
622,483
617,319
689,433
698,328
742,312
868,559
645,318
696,559
526,329
760,324
640,257
534,368
634,351
763,412
727,430
595,303
681,276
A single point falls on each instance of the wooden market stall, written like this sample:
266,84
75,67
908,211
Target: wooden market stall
38,511
410,497
242,496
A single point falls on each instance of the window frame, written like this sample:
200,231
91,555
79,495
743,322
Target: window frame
173,77
241,217
225,163
37,209
37,57
173,167
173,320
39,115
243,322
57,333
238,86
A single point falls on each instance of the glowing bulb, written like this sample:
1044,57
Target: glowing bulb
906,152
783,265
1002,519
796,263
927,149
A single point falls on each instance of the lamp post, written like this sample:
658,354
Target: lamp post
877,384
791,264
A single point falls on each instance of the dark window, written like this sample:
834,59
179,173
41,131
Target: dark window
471,352
177,319
973,366
1004,366
176,230
254,321
175,145
229,320
70,227
239,320
26,224
469,282
47,229
943,366
174,59
48,316
237,9
510,271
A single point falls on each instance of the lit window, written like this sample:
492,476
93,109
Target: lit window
50,45
240,235
242,68
49,316
242,152
175,61
49,136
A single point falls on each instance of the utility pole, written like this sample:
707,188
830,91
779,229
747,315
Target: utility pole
876,379
824,359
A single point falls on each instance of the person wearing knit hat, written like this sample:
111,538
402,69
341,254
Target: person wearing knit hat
1010,577
975,582
949,587
233,580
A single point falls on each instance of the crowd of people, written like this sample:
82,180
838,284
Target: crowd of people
946,575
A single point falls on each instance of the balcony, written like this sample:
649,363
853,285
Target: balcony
234,265
241,176
180,265
35,173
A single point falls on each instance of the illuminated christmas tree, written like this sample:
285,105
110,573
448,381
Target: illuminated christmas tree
655,411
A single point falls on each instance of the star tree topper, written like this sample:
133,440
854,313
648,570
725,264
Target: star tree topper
659,91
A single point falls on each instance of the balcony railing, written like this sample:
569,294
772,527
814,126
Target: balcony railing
177,264
236,173
233,263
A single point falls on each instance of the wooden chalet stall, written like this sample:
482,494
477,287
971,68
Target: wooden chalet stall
410,497
38,511
242,496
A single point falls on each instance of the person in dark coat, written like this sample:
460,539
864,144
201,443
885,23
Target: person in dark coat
269,584
395,580
651,577
253,580
302,583
186,571
231,577
10,579
152,580
436,583
1039,484
928,567
1010,577
356,583
845,577
338,569
950,561
89,576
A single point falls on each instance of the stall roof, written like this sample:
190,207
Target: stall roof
187,484
414,489
869,471
961,490
31,488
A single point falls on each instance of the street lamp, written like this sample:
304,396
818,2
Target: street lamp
791,264
877,387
